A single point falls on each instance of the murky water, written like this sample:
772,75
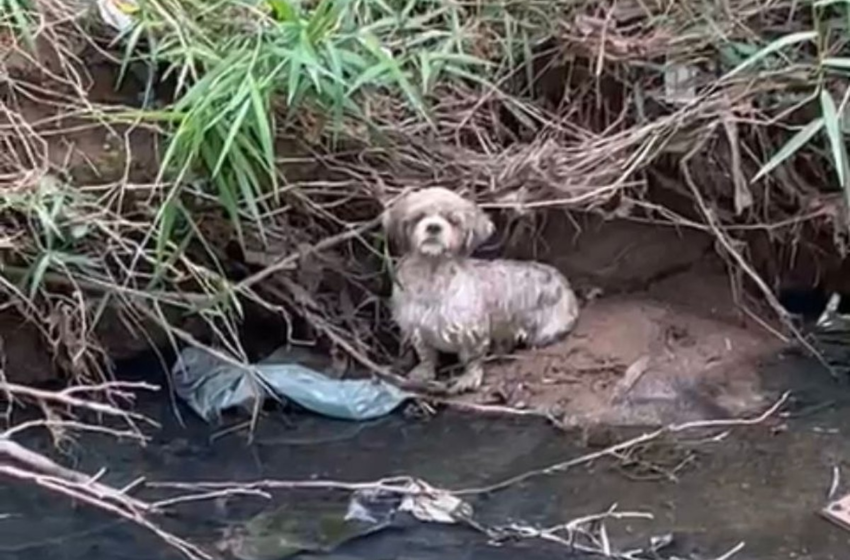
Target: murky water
761,485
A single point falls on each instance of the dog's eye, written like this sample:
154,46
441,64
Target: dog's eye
454,219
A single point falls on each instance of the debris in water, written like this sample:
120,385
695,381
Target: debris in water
839,512
432,505
322,525
831,319
210,385
310,526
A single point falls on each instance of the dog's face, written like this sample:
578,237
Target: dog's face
436,222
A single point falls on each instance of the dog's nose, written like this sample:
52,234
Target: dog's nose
433,229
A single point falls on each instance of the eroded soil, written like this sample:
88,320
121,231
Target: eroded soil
665,341
680,350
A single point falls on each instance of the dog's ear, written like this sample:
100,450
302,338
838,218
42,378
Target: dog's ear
480,230
393,224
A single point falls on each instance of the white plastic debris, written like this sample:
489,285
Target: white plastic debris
680,83
830,315
118,13
428,504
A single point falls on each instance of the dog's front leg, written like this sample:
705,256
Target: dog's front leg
426,369
473,370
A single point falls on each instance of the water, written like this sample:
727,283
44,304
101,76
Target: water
762,485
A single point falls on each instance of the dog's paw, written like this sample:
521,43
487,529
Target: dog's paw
423,373
469,382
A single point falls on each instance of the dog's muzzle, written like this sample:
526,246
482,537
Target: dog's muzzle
431,235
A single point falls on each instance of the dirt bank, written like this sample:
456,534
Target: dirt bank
661,336
660,339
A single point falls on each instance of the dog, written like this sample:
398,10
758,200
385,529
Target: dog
443,300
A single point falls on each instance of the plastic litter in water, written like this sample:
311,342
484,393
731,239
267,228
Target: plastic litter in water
211,385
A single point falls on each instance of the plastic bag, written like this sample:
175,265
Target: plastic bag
210,385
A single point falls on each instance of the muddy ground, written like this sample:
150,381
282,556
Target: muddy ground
658,340
663,335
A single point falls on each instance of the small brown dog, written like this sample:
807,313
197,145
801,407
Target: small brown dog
444,300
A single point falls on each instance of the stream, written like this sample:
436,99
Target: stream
760,485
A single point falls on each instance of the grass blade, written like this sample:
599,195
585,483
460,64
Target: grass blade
837,62
777,45
235,129
791,147
836,138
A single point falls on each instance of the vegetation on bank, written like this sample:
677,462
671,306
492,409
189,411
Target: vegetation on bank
285,125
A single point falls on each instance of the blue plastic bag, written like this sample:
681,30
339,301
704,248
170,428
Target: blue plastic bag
210,385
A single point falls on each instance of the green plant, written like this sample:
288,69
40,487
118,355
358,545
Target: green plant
239,64
830,34
17,16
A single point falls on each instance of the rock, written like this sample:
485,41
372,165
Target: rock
26,356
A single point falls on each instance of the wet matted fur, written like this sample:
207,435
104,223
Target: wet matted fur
446,301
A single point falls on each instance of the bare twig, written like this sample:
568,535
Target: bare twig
111,501
675,428
68,397
400,484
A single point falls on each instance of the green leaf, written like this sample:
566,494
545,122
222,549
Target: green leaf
836,139
392,66
324,19
425,70
370,75
837,62
265,124
735,53
38,271
282,10
791,147
19,10
777,45
132,45
169,220
294,84
235,129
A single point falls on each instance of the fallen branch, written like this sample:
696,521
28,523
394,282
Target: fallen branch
112,501
568,534
19,462
400,484
617,448
68,397
43,466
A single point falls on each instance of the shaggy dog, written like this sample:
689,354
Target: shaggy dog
445,301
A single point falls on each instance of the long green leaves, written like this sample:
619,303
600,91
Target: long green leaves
771,48
323,58
830,120
835,137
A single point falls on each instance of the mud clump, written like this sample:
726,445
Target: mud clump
678,351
